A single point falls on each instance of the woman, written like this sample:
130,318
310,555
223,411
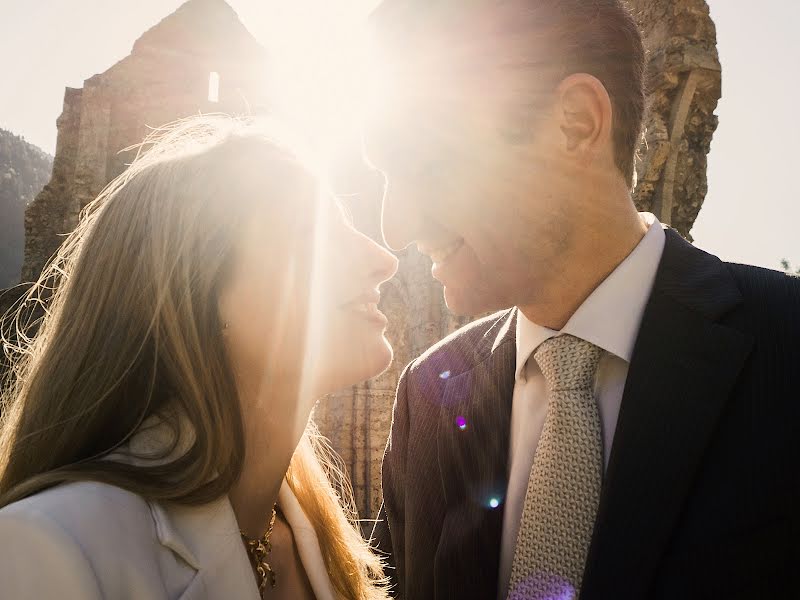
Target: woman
156,441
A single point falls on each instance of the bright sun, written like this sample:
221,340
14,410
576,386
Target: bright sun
320,63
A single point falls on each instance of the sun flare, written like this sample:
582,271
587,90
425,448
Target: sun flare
322,69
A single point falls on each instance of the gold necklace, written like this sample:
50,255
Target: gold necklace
258,551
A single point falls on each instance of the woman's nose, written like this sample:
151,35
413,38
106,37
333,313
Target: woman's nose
384,263
374,261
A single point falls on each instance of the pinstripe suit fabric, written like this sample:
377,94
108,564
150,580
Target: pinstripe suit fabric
701,498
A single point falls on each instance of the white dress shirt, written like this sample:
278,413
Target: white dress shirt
609,318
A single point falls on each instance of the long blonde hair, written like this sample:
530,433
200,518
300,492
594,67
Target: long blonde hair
131,330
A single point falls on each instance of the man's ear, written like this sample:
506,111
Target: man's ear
585,115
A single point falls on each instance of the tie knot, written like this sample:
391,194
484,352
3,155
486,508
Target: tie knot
568,362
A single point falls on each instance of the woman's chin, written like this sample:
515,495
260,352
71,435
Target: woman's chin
381,359
352,368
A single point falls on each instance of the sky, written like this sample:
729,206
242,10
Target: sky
751,213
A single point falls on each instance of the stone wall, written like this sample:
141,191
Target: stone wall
684,81
165,78
357,420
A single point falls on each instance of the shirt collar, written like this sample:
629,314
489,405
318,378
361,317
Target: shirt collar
610,317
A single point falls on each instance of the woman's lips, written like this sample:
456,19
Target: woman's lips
368,311
366,306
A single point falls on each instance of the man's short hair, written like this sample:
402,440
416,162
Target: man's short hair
555,37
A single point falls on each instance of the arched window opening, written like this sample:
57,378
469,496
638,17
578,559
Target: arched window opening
213,86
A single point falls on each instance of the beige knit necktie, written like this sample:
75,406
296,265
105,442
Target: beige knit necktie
564,486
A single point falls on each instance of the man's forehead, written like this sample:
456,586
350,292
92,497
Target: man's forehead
413,13
458,41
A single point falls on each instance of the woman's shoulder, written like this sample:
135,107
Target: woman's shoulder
79,537
80,507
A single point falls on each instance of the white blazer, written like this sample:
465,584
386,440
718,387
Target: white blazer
92,541
88,541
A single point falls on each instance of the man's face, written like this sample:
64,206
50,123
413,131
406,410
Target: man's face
474,183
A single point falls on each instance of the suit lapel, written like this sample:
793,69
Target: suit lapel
472,444
684,367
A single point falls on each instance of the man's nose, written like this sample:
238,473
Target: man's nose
400,220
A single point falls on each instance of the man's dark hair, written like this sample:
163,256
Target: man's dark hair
556,38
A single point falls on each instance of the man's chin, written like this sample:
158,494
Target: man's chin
464,304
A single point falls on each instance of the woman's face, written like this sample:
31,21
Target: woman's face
300,306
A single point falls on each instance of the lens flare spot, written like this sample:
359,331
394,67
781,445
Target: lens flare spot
494,502
461,422
543,586
444,375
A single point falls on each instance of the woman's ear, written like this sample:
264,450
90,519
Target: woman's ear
585,116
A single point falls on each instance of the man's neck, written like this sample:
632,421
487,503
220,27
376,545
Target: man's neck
603,240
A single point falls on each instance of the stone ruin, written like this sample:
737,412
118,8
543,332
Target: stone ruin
684,82
167,76
174,70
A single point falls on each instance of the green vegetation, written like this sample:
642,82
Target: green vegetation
24,170
787,266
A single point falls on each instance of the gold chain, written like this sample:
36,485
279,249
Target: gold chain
259,552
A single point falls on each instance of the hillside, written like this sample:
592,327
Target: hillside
24,170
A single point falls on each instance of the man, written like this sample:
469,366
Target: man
631,427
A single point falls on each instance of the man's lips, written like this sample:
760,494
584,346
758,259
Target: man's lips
440,253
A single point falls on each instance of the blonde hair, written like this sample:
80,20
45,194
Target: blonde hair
131,329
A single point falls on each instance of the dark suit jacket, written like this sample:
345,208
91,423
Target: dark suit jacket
701,496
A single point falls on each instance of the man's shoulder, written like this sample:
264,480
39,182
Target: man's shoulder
770,307
759,279
458,352
773,293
